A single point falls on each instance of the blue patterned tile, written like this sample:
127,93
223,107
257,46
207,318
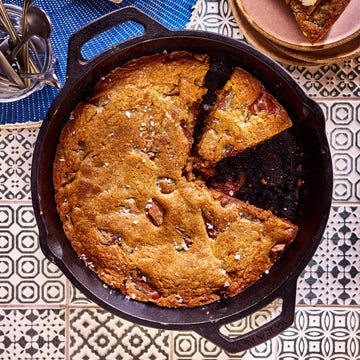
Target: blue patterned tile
97,334
32,334
26,276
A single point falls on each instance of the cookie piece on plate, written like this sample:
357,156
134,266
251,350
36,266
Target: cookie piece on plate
316,17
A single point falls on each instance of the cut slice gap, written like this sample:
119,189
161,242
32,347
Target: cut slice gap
218,74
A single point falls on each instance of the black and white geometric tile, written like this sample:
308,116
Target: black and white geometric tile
332,276
329,81
43,316
343,130
77,298
189,345
321,334
15,163
32,334
97,334
317,334
216,16
26,276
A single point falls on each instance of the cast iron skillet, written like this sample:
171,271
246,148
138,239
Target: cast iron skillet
314,203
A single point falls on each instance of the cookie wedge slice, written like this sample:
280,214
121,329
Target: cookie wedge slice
315,21
245,114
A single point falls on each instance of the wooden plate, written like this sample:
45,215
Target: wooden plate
257,40
342,52
289,56
274,20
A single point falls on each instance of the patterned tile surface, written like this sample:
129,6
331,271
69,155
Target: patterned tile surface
343,130
76,297
32,334
316,334
332,277
15,164
26,277
189,345
42,316
97,334
216,16
330,81
322,334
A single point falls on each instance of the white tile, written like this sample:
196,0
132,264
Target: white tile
95,333
322,333
32,334
26,276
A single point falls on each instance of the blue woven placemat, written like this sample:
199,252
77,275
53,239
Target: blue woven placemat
67,16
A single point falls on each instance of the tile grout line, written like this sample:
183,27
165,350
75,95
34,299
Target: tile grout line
67,319
345,203
97,307
337,100
15,202
171,345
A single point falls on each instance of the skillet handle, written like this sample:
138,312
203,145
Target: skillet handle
77,65
265,332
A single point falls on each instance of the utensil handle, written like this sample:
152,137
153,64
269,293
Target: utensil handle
8,70
78,65
263,333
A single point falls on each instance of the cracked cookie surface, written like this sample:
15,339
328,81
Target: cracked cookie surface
130,208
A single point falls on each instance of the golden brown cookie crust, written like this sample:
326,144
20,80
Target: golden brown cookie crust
130,211
245,115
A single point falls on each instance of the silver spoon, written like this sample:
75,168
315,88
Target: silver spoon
24,55
8,70
46,77
7,24
38,24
